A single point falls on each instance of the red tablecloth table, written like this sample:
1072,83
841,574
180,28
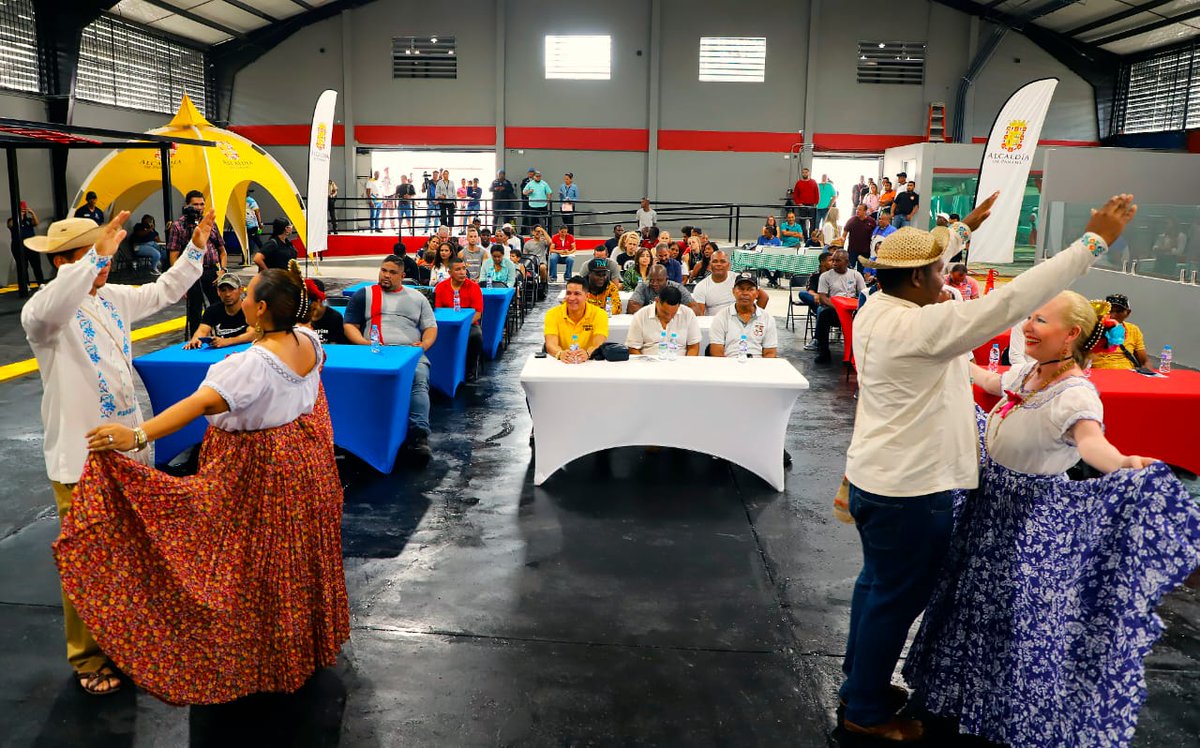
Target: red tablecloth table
845,308
1144,415
982,352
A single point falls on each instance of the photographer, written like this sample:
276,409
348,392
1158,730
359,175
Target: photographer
214,260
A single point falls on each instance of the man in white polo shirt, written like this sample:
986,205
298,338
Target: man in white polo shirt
667,316
744,317
714,294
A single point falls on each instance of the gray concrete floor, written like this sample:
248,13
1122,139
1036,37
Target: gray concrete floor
636,598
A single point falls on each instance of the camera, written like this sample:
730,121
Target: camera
192,214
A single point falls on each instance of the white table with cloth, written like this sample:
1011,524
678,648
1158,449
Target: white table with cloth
748,404
618,329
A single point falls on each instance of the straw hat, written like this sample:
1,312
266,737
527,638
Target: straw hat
910,248
69,233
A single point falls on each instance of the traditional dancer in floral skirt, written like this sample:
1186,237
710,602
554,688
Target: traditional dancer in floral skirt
1037,634
211,587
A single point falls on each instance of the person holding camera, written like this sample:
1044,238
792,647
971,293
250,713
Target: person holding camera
204,291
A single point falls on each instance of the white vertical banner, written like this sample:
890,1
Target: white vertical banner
1005,168
320,149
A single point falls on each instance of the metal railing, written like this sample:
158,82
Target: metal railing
731,222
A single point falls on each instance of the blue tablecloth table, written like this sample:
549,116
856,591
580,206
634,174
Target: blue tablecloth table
448,356
496,302
368,396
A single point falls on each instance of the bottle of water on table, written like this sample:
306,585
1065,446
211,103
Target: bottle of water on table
457,302
1164,360
994,358
374,338
673,347
743,350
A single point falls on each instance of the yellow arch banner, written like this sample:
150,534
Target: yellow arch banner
126,178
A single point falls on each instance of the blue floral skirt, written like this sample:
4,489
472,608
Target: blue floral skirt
1037,633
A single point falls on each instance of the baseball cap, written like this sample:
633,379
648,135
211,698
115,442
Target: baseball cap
229,279
746,277
1118,300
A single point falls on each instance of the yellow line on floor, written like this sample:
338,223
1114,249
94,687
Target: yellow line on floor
28,366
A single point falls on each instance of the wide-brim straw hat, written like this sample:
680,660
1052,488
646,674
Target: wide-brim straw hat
910,248
69,233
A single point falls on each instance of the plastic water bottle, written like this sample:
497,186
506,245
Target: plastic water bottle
374,338
1164,360
662,344
673,347
457,302
574,342
743,350
994,358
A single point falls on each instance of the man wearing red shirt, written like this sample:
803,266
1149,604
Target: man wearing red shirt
805,196
469,297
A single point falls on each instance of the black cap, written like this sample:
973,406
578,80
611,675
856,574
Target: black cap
1118,300
746,277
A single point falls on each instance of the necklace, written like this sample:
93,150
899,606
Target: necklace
1014,400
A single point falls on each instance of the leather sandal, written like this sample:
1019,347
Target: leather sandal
896,729
102,682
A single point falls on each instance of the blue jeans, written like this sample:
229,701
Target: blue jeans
376,211
904,540
149,251
418,406
554,260
900,221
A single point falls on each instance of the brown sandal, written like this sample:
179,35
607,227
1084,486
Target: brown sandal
95,683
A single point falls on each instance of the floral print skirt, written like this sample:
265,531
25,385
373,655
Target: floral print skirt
211,587
1037,633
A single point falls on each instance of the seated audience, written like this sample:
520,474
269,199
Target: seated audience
460,287
473,254
325,321
669,316
648,292
146,243
673,267
498,270
1132,352
225,323
715,293
967,286
744,317
840,280
574,329
401,316
639,272
602,291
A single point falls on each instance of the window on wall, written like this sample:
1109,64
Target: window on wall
587,58
424,57
19,68
127,66
901,63
1158,93
733,59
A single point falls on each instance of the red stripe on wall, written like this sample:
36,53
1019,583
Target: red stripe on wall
284,134
1066,143
577,138
841,141
732,141
450,135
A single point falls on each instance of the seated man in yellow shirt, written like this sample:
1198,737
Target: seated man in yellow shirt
1134,343
575,328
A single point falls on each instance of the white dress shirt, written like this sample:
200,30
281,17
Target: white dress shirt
915,430
82,345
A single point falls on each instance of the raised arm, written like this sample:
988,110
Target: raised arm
55,305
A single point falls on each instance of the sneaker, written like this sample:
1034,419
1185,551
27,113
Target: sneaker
811,345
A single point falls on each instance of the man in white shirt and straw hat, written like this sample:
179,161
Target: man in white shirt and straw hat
79,331
915,438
